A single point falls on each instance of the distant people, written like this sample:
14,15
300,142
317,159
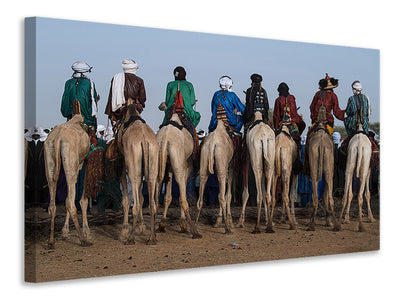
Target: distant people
230,103
124,86
36,189
82,88
256,100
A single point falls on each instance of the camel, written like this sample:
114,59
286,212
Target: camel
260,141
68,144
175,156
138,145
358,160
321,160
217,148
285,155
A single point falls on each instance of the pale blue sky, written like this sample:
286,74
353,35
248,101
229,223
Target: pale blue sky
206,57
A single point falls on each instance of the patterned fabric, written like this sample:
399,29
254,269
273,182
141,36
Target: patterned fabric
357,110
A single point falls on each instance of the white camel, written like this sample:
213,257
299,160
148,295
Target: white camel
260,141
175,156
138,145
358,161
217,149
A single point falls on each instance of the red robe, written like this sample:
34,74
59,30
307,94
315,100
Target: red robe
330,101
280,103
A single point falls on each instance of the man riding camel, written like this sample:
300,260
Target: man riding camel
81,88
256,100
230,102
125,86
285,112
180,98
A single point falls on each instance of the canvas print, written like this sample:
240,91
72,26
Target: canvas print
151,149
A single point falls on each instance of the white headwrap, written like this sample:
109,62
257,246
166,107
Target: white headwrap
118,86
35,130
225,82
79,69
129,66
357,87
99,129
336,138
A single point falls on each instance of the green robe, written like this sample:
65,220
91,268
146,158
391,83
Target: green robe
81,92
187,91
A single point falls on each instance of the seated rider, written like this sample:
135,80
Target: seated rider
125,86
325,96
256,100
285,111
81,88
180,96
357,106
230,103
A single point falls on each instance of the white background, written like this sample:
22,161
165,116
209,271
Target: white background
370,24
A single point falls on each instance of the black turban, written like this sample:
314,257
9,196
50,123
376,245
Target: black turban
256,78
283,89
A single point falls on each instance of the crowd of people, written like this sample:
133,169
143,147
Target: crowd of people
180,98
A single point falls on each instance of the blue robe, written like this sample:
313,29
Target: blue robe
350,122
230,103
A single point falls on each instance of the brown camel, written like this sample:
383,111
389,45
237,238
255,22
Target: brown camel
285,155
175,156
68,144
138,145
358,160
217,148
260,141
320,149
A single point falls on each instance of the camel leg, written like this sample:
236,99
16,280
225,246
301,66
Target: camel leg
329,197
245,197
153,212
258,177
136,182
269,175
293,192
285,198
65,229
229,196
349,197
267,205
124,236
222,200
84,205
182,222
311,225
367,195
361,227
142,225
203,181
219,218
52,211
167,202
180,179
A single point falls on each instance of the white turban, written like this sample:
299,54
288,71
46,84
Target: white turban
336,138
100,128
36,130
81,67
129,66
357,87
225,82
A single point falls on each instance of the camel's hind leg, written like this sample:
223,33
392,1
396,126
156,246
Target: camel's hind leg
167,202
285,197
229,195
293,193
153,211
367,195
311,225
245,195
84,204
124,236
52,211
142,225
203,181
258,178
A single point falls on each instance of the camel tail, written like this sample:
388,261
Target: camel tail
145,152
278,161
321,153
359,163
57,156
211,158
162,159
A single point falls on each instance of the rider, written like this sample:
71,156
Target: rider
188,98
82,88
285,111
325,96
256,100
357,107
230,102
125,86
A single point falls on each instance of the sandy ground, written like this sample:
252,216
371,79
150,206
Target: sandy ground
108,256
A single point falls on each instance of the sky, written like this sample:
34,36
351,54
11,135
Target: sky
206,57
